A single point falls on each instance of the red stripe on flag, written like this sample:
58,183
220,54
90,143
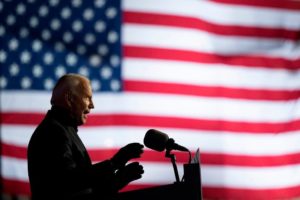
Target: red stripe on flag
172,122
190,123
13,150
221,159
286,4
210,91
23,188
21,118
133,186
196,23
255,61
250,194
209,158
15,187
249,161
236,193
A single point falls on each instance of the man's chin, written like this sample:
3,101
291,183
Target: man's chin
83,121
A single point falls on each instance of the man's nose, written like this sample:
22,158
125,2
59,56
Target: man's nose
91,105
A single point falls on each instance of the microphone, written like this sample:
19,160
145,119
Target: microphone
160,141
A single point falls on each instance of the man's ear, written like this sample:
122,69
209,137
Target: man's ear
69,99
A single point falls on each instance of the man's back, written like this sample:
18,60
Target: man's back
54,153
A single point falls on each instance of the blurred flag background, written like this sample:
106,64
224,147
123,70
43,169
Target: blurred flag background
221,75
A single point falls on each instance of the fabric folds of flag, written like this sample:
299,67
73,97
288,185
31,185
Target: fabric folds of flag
221,75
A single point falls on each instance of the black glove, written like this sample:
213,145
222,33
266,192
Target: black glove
130,172
132,150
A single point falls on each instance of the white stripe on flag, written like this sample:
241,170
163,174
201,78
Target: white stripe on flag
209,74
240,177
208,141
219,13
196,40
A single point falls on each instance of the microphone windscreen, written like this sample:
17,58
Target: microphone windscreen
156,140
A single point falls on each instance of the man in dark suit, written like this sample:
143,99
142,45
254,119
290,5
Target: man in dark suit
58,164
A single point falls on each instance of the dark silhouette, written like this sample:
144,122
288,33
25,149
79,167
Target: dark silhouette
58,164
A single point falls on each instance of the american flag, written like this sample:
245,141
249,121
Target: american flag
219,75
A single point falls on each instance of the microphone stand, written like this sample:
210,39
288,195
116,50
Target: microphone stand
173,160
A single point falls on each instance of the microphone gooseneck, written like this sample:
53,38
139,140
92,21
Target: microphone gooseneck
160,141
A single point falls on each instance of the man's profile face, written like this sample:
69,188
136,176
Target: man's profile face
82,103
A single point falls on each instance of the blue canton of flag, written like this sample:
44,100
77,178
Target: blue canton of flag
42,40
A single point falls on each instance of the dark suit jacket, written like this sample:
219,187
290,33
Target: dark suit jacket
59,166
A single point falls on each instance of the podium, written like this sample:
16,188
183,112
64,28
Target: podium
189,189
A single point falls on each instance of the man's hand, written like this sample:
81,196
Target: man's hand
130,172
130,151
